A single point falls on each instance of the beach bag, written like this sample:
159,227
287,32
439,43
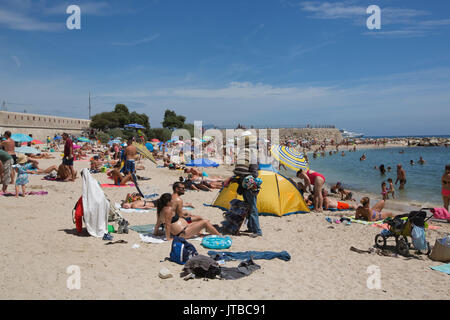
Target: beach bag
181,251
217,242
235,216
418,238
441,250
77,215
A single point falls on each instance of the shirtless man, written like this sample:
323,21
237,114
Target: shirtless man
331,203
177,202
401,177
9,146
130,155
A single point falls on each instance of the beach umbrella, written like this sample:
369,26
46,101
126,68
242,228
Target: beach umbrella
36,141
57,138
83,139
20,137
25,149
202,163
114,141
149,146
160,143
154,140
289,157
134,125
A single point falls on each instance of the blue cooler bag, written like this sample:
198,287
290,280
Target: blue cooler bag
418,238
216,242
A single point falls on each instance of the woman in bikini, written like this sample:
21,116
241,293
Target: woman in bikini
317,180
364,212
134,201
178,226
446,186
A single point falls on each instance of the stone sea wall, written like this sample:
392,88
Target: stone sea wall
40,126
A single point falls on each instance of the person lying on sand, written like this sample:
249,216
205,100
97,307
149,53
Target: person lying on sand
134,201
345,194
331,203
40,156
364,212
175,225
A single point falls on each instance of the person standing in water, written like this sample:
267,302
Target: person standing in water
446,186
401,177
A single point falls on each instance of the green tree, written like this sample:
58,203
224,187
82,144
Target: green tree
172,120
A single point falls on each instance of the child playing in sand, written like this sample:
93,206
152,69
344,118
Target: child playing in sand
23,168
391,188
384,191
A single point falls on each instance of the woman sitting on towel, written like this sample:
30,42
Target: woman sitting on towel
119,179
364,212
178,226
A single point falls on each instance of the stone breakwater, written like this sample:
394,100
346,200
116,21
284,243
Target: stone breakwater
429,142
317,134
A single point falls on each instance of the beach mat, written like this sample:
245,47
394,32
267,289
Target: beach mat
109,185
146,228
332,209
445,268
31,193
119,207
367,223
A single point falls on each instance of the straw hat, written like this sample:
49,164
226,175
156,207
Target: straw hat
22,159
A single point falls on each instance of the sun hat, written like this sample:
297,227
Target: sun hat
22,159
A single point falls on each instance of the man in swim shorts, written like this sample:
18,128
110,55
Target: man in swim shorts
401,177
130,156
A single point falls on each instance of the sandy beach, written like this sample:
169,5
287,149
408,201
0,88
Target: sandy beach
39,243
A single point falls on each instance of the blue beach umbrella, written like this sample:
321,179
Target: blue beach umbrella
83,139
26,149
149,146
134,125
20,137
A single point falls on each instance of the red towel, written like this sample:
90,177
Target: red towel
441,213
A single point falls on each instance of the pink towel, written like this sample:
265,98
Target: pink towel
441,213
107,185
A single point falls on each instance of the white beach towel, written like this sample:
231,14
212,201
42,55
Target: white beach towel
95,206
150,238
119,207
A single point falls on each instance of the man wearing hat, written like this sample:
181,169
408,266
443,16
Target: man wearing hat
6,162
246,167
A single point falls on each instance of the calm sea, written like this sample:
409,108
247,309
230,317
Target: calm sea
423,181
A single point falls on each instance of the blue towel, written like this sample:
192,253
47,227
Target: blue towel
254,255
442,268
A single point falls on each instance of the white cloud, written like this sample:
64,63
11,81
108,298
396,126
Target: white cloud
23,22
17,61
137,42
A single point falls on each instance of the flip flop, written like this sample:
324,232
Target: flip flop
118,241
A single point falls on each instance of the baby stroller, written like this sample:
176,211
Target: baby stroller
401,227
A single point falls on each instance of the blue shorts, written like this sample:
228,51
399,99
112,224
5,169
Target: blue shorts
129,167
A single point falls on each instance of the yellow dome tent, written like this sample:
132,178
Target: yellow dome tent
278,196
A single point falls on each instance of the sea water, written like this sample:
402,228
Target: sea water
423,184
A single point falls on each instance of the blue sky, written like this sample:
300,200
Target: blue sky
276,62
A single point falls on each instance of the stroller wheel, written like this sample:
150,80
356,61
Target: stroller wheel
380,241
402,247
